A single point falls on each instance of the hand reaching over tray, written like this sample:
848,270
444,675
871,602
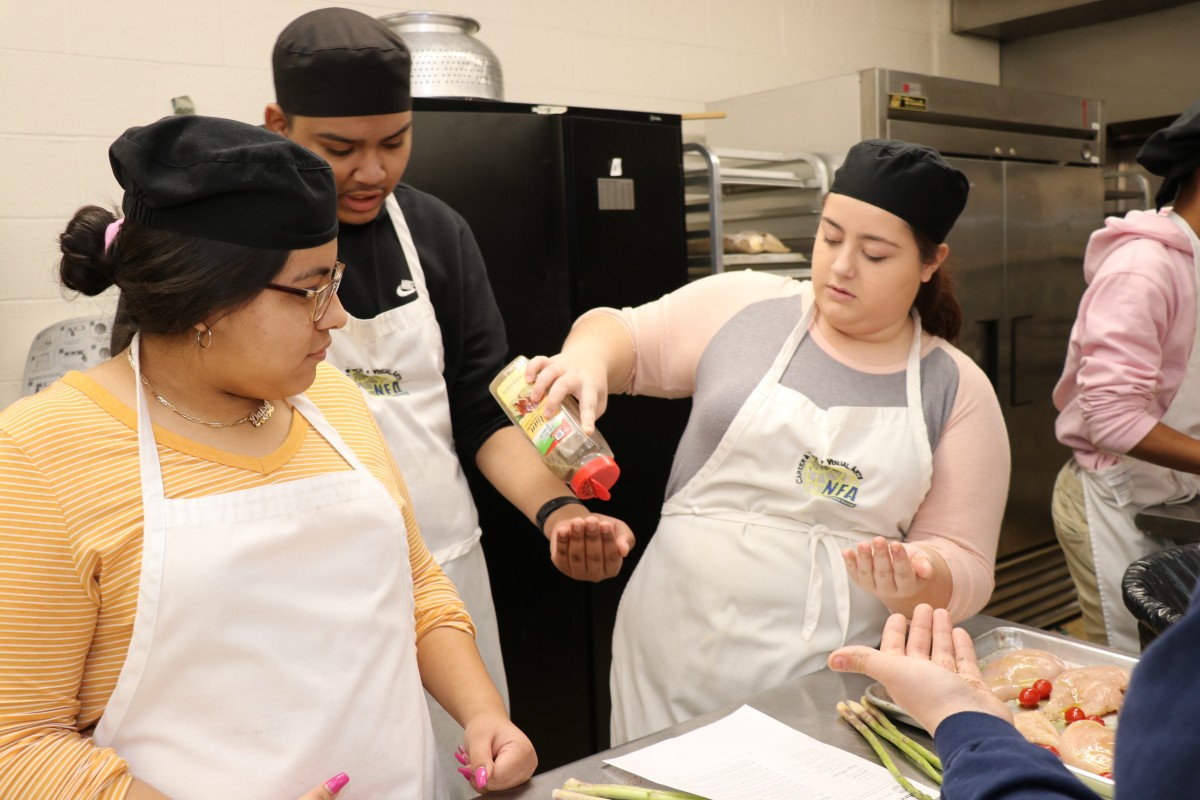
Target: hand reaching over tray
928,668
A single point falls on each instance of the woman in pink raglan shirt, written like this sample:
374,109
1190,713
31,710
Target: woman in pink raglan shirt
842,459
1129,397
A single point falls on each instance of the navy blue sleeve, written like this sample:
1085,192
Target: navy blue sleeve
985,758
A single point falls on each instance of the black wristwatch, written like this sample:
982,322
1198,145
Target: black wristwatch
550,506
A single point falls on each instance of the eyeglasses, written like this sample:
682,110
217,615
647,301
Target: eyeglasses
321,296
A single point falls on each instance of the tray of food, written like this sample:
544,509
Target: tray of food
1065,694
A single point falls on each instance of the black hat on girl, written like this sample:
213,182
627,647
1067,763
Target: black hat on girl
909,180
228,181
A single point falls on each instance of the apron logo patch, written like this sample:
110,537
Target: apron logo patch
829,478
381,382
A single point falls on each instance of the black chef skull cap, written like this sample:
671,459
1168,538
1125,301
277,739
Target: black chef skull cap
1173,153
337,62
909,180
228,181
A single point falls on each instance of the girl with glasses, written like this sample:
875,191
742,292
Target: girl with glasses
211,578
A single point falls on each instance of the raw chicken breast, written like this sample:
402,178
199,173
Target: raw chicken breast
1088,746
1008,674
1034,726
1097,690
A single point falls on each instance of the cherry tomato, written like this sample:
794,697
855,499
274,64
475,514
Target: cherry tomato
1094,718
1029,698
1043,687
1051,748
1074,714
1106,775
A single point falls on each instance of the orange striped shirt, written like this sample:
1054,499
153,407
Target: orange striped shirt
70,559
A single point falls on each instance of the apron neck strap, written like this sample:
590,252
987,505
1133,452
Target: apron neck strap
407,244
151,469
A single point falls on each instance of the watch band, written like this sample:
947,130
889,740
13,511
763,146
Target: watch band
550,506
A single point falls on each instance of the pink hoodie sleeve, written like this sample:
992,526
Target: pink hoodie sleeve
670,334
1125,318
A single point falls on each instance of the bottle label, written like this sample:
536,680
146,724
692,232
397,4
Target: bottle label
545,433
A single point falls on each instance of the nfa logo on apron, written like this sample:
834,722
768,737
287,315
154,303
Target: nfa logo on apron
832,479
383,382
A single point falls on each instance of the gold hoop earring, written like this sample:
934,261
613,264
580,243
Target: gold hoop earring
204,344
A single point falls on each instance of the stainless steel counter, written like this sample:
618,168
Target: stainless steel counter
807,704
1180,521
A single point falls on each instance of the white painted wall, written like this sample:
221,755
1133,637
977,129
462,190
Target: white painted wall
75,73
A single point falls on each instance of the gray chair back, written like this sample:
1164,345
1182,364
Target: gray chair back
76,343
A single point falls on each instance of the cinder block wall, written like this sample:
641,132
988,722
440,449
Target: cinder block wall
75,73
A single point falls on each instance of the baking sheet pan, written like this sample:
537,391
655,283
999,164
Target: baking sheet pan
1072,651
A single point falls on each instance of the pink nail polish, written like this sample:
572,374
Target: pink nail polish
481,777
461,757
335,784
466,773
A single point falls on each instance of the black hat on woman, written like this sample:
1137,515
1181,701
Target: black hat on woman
909,180
227,181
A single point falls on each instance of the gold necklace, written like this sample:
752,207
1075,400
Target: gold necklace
256,419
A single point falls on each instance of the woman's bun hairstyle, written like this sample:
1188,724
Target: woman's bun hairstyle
85,266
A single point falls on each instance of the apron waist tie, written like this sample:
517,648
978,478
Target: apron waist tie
820,537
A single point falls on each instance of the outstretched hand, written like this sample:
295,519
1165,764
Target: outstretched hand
591,547
928,667
890,570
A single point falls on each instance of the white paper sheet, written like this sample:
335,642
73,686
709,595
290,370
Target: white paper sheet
751,756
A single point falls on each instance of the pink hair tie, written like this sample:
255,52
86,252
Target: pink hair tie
110,233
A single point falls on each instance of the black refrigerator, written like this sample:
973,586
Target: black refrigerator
573,208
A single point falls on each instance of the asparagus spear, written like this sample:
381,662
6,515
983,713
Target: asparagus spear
617,791
932,758
902,742
877,746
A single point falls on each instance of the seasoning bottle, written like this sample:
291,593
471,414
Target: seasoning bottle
582,461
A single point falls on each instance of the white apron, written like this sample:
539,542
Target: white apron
1116,494
743,585
274,642
397,359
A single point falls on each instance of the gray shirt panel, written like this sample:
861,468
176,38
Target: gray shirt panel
742,351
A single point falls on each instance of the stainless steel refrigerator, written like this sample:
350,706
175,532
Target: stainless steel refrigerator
572,208
1034,163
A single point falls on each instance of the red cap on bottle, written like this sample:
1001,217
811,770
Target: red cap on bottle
595,478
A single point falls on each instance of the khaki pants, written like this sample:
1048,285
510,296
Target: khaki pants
1071,527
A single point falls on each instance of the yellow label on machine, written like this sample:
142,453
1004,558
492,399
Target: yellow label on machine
908,102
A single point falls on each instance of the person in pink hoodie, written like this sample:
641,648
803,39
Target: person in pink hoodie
1129,396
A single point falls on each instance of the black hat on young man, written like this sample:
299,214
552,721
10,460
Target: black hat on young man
228,181
909,180
1173,153
336,62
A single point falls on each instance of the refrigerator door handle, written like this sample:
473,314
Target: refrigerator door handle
989,350
1021,348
